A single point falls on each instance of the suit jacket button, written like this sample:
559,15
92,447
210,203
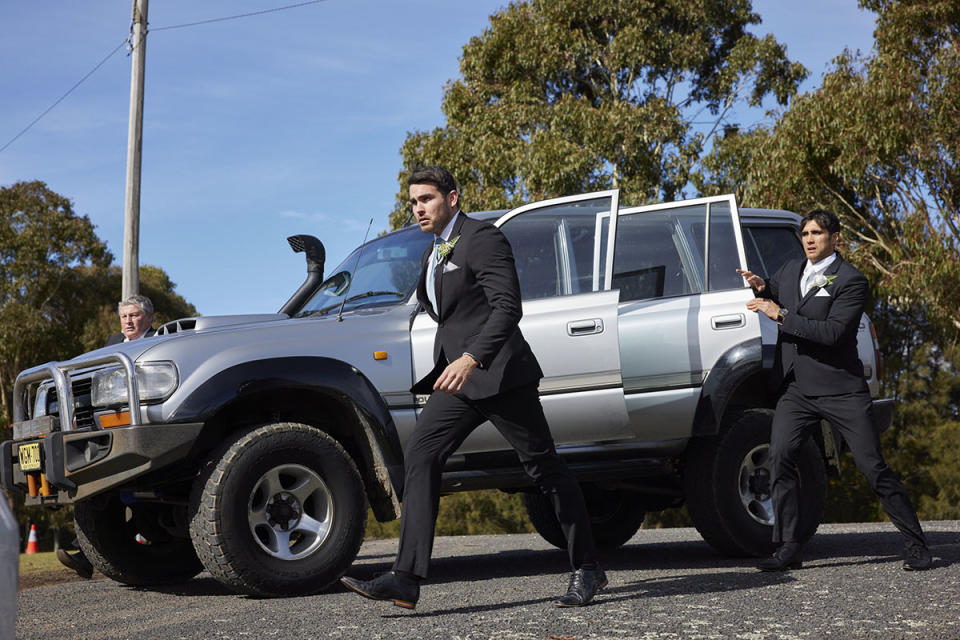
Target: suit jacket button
439,324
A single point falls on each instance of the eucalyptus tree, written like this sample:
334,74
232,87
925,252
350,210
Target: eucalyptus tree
563,96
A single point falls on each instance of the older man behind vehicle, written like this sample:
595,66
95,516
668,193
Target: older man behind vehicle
136,318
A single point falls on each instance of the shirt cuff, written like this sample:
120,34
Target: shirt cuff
475,358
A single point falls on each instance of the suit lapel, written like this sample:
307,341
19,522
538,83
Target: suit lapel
422,284
794,294
831,270
438,269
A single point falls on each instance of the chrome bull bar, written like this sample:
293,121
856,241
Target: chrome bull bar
60,372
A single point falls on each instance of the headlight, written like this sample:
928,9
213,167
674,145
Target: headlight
40,402
156,380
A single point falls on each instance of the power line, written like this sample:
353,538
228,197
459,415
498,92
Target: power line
241,15
60,99
128,40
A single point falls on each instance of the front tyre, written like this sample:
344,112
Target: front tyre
140,543
279,511
727,486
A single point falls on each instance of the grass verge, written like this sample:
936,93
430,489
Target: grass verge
36,562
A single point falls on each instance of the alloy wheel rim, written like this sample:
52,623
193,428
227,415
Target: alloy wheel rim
753,484
290,512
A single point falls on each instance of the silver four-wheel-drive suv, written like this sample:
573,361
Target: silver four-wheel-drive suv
257,442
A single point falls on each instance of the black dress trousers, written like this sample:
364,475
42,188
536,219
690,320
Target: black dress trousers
851,414
445,423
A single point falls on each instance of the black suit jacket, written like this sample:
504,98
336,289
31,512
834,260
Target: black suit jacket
117,338
818,337
479,298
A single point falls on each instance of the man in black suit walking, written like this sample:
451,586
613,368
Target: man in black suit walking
818,303
484,370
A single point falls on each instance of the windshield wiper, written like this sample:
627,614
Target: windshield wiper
370,294
359,296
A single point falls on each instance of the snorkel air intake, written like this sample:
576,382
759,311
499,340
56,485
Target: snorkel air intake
315,255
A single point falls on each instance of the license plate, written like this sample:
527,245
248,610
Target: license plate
29,456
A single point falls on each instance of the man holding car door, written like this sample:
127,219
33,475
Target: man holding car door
817,371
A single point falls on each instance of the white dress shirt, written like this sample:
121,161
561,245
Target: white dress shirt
811,271
435,258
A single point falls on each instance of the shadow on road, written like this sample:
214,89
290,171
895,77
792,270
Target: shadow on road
202,586
824,550
661,587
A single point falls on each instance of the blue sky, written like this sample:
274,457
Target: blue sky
263,127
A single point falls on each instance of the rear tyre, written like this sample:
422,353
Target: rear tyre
108,529
279,511
615,517
727,485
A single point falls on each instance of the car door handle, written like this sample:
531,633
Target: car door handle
585,327
732,321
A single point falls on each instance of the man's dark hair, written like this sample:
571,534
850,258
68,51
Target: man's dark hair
823,218
437,176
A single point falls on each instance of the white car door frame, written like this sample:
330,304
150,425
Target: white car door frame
666,360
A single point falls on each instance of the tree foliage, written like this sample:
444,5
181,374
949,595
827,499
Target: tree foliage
563,96
879,144
44,246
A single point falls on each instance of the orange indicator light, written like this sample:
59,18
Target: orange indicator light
119,419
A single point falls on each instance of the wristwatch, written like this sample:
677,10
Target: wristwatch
781,314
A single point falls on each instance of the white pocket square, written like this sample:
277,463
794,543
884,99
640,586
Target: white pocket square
449,266
821,292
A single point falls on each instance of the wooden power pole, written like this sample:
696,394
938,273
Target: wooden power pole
131,218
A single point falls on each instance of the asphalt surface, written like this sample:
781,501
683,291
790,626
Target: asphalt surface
665,584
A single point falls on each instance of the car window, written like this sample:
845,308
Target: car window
560,249
769,247
655,253
723,259
386,273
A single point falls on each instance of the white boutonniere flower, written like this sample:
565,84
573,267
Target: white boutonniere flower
444,249
821,281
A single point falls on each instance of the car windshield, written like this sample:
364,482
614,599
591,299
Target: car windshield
386,274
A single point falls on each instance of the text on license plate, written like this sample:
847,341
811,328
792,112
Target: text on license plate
29,456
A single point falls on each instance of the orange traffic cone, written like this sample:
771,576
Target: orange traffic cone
32,540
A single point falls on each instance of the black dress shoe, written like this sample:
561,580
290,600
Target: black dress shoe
403,592
788,556
916,557
584,584
76,561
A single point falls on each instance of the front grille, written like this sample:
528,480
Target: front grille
82,402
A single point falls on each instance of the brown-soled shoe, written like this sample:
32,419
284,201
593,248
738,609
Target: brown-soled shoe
403,592
76,561
788,556
584,584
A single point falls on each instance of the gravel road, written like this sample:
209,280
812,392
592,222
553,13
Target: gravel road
665,584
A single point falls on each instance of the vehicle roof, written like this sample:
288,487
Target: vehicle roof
751,214
747,214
